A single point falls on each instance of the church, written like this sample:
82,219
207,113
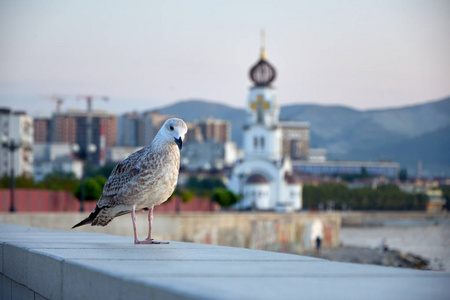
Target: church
264,177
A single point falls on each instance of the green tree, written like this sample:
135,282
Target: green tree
24,182
93,188
385,197
364,173
59,181
104,171
186,195
205,186
21,182
403,175
224,197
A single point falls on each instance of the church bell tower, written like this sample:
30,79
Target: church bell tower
262,133
262,176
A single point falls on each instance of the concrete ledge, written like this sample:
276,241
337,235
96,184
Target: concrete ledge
289,232
50,264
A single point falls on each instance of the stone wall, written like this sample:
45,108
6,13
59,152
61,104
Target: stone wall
291,233
383,218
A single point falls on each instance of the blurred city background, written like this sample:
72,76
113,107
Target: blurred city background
330,120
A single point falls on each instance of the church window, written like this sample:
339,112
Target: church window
262,142
255,142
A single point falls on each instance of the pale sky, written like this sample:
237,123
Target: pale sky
147,54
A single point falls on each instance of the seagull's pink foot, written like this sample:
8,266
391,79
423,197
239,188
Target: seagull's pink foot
151,241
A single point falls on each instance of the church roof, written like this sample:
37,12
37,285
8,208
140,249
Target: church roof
257,179
262,73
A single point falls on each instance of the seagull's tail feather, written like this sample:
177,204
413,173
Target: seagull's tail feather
91,217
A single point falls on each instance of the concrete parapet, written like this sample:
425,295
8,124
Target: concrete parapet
49,264
389,218
285,232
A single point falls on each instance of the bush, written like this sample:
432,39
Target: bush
224,197
203,187
93,188
55,181
59,181
386,197
186,195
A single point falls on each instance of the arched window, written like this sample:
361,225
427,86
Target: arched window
262,142
255,142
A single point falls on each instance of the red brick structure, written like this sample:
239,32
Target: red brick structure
33,200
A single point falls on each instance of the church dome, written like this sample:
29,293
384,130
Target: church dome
262,73
257,179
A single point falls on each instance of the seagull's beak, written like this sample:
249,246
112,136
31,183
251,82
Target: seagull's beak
179,142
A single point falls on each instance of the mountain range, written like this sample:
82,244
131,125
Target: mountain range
404,135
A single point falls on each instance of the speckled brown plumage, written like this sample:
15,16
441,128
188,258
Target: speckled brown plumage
144,179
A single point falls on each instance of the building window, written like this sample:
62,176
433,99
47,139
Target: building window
262,142
255,142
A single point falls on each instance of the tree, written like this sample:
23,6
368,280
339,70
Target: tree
364,173
93,188
203,187
55,181
386,197
104,171
403,175
224,197
446,196
186,195
24,182
59,181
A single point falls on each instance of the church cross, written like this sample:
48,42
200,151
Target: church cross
260,105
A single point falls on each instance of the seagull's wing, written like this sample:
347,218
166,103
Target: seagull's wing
120,177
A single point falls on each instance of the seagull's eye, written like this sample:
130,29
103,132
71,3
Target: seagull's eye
171,128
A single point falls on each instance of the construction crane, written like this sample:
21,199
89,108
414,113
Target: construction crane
89,99
59,101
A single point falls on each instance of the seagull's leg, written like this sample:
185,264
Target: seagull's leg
133,218
149,239
150,221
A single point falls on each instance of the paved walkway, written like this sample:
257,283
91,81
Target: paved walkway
38,264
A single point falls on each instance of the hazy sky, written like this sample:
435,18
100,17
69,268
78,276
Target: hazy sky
147,54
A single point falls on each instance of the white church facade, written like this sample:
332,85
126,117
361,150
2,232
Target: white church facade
264,177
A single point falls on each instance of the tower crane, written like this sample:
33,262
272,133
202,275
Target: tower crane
59,101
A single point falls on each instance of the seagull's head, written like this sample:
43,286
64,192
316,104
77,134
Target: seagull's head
174,131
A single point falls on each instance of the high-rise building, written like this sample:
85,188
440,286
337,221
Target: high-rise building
71,127
16,127
128,129
65,128
42,130
138,130
194,133
215,129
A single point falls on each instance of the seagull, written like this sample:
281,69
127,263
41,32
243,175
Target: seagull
143,180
